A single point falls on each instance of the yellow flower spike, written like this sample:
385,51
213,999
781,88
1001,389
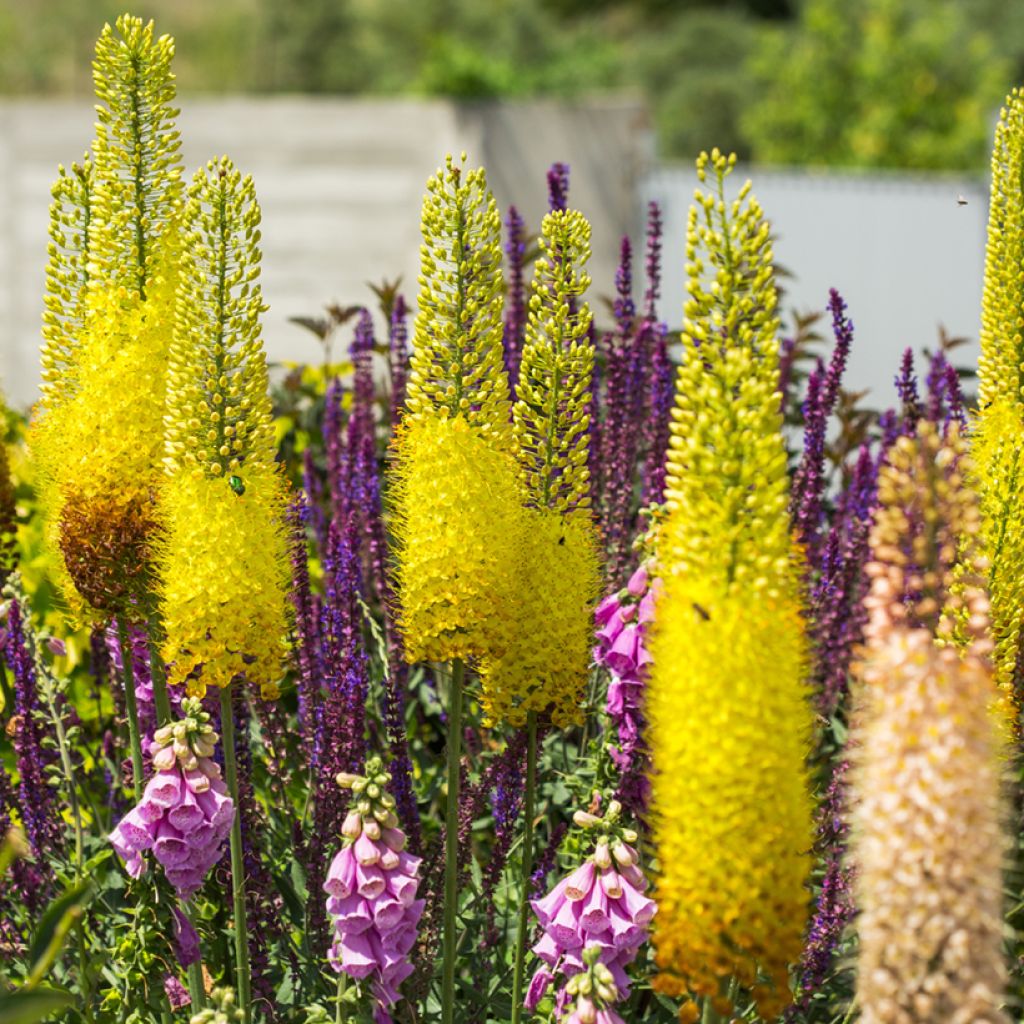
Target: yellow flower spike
455,503
998,452
925,803
223,554
727,701
106,330
545,657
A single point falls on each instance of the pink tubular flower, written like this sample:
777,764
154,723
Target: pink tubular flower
597,912
623,620
185,813
371,892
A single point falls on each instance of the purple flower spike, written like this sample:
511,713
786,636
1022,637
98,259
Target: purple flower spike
558,187
185,813
515,302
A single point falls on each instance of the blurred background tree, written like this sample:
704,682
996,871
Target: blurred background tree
883,83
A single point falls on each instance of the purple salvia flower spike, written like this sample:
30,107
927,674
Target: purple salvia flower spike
558,187
398,356
624,307
38,801
652,262
515,299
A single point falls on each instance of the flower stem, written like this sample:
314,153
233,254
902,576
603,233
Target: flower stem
158,677
134,737
339,1010
451,841
526,861
242,981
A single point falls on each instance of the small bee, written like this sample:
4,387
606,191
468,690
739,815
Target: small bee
961,201
237,485
701,612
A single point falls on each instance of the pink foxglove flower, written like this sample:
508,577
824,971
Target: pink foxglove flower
371,892
185,813
598,910
623,624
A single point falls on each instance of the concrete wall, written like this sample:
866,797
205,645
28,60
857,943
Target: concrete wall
341,184
903,252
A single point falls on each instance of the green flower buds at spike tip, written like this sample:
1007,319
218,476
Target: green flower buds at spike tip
457,364
138,165
223,556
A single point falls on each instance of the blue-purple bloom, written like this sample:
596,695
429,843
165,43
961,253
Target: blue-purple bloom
515,298
38,801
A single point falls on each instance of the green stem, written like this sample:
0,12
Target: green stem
196,987
339,1010
242,981
134,737
451,852
158,677
526,862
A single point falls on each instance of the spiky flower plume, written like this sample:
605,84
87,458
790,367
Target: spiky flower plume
927,842
106,329
544,660
729,719
223,553
453,492
1000,426
457,363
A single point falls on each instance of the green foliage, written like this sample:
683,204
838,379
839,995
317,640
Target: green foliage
883,83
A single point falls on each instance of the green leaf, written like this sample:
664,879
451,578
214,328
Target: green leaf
26,1006
55,923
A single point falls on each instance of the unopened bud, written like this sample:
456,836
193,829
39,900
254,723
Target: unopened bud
353,825
585,819
346,779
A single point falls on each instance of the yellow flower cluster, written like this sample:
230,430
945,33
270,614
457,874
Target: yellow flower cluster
729,718
223,556
925,813
456,515
106,325
495,547
1000,424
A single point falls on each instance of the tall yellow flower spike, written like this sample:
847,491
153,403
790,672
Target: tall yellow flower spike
547,651
453,493
106,331
926,835
730,721
999,427
223,556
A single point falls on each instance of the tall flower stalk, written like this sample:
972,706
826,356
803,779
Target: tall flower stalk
926,762
453,484
223,554
729,645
